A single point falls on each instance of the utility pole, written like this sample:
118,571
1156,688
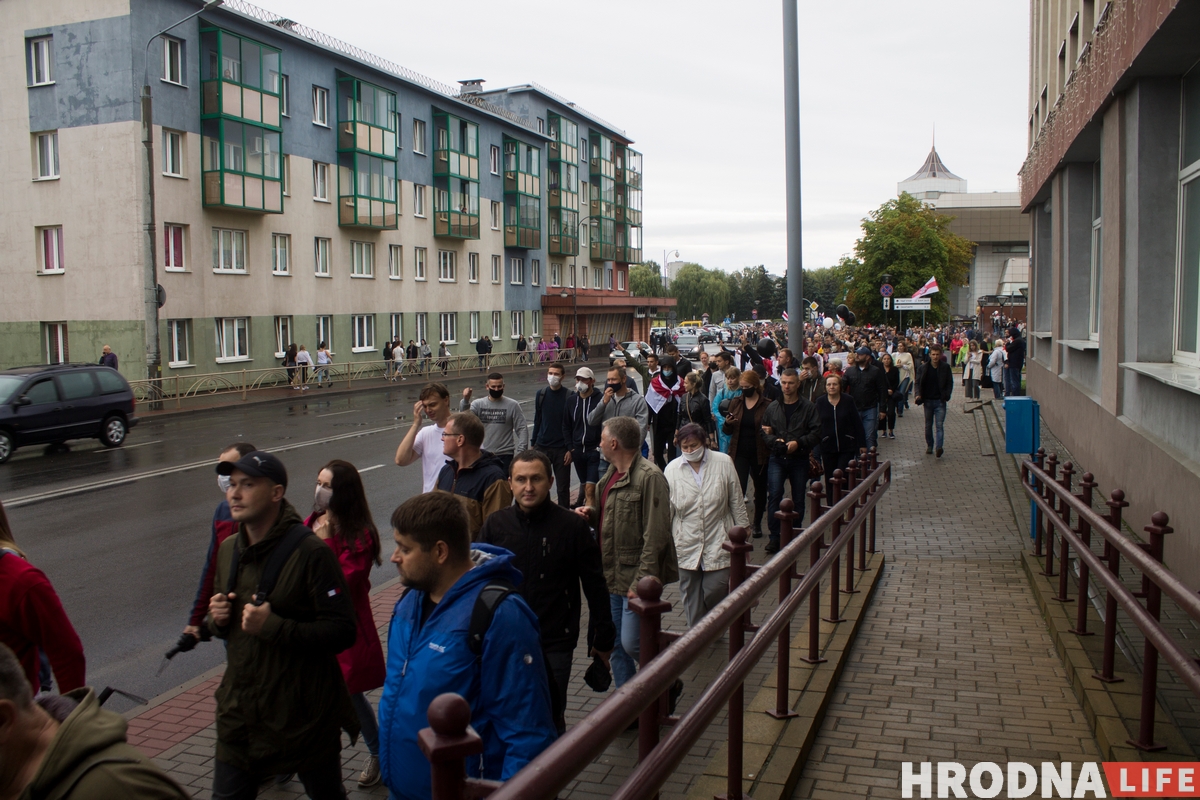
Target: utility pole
791,116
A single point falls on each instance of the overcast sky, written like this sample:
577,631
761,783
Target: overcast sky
698,85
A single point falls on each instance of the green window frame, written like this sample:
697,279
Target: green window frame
456,208
563,232
367,118
455,148
563,135
240,78
522,195
367,191
242,165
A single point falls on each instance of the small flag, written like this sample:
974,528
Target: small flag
929,288
785,317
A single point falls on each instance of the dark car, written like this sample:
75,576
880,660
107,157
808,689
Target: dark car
51,404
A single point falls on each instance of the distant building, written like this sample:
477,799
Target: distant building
670,272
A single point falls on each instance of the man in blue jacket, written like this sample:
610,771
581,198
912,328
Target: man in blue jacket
429,653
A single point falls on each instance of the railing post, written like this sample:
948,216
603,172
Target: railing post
1158,529
243,384
1040,460
1086,485
1048,495
853,478
1113,557
1064,552
783,707
178,402
447,743
836,568
650,606
814,595
738,548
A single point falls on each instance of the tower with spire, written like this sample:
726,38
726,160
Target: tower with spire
932,179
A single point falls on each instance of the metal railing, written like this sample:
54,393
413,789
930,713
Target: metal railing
665,656
180,387
1055,502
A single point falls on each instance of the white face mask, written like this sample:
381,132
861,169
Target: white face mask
581,387
224,482
554,380
695,455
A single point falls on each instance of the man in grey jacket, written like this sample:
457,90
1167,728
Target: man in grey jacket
619,401
505,431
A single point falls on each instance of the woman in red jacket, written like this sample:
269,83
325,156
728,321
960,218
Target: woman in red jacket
342,518
32,620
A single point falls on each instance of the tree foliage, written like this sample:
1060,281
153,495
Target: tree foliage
645,280
827,286
700,291
911,242
754,287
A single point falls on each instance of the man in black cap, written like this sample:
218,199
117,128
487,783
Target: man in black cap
867,384
284,611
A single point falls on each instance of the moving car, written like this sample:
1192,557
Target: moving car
635,349
52,404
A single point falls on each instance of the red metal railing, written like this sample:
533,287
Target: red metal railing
664,656
1055,502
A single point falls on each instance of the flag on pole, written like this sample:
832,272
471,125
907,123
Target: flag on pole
929,288
785,318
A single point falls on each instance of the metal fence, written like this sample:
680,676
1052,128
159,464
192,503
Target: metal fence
664,656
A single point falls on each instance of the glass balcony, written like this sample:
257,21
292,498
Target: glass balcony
562,186
239,79
564,232
629,241
456,147
604,245
523,222
563,134
366,191
628,205
455,208
601,160
629,167
367,119
241,166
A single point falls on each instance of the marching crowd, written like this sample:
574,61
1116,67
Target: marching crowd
497,553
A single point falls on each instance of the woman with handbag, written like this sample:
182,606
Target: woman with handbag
996,368
694,408
747,447
904,363
972,371
720,405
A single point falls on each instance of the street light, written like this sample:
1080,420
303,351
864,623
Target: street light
664,266
575,284
150,270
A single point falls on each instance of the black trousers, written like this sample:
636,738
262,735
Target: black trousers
322,781
835,461
562,472
750,469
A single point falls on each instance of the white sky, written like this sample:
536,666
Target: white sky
699,87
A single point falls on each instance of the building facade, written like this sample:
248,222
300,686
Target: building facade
1111,189
302,190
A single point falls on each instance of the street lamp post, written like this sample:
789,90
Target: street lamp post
150,270
575,285
791,116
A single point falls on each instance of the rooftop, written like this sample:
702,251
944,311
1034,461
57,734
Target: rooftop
933,168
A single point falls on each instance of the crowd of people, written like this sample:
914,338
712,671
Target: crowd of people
497,554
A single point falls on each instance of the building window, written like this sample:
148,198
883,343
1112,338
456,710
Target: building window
537,322
496,318
321,256
495,269
541,125
363,327
57,351
46,145
172,61
281,254
51,246
473,267
495,216
40,61
396,262
535,272
555,274
621,281
587,271
571,277
173,248
285,86
233,339
229,250
422,327
583,150
448,327
172,153
419,137
608,280
474,326
320,181
325,331
419,254
286,176
1097,260
1187,330
320,106
516,275
516,323
598,279
396,329
494,160
418,200
447,266
283,335
362,260
179,339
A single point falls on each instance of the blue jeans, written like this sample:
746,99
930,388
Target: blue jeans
624,657
870,421
366,721
998,388
1012,382
935,414
778,470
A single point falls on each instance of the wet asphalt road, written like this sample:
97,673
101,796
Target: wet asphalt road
126,558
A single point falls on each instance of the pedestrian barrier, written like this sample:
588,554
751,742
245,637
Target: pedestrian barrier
1054,503
665,655
245,381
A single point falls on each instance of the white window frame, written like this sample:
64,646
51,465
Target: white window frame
235,236
45,152
283,335
179,343
396,262
608,278
51,259
598,280
422,327
495,216
555,274
585,275
281,254
240,328
494,160
474,321
285,175
321,255
536,324
516,271
472,267
396,331
497,321
448,327
535,272
173,153
57,342
620,280
516,324
447,266
497,268
173,57
320,181
419,137
41,60
325,331
170,231
362,259
362,333
285,86
420,259
320,97
1189,176
419,200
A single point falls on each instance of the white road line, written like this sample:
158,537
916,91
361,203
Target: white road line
368,469
88,487
126,447
335,413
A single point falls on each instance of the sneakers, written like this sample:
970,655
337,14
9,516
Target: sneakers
370,774
757,534
939,452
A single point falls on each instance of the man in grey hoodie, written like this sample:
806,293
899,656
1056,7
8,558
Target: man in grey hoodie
505,430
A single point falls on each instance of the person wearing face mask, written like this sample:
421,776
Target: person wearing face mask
342,519
663,396
750,454
581,436
548,406
619,400
706,501
223,527
506,432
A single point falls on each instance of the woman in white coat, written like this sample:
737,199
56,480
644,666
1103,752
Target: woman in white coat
706,502
996,368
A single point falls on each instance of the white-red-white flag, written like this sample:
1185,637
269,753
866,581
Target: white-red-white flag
929,288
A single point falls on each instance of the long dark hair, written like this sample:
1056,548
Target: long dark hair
6,537
348,505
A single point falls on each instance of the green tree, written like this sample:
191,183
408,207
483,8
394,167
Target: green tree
911,242
700,291
645,280
751,288
827,286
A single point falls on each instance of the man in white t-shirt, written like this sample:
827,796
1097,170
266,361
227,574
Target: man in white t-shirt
425,442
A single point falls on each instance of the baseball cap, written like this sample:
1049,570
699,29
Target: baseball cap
863,351
586,373
257,464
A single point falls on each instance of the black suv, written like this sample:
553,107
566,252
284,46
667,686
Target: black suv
51,404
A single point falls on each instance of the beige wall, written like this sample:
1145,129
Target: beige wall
1056,25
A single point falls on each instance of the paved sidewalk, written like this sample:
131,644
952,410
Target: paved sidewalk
953,661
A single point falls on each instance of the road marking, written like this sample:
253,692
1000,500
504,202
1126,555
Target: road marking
368,469
126,447
88,487
335,413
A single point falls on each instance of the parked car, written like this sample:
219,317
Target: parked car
635,349
53,404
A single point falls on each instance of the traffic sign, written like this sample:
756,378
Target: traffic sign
754,313
886,290
887,303
813,306
908,304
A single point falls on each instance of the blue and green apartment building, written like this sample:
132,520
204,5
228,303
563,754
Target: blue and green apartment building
300,190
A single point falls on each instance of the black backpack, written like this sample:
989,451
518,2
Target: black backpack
279,556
